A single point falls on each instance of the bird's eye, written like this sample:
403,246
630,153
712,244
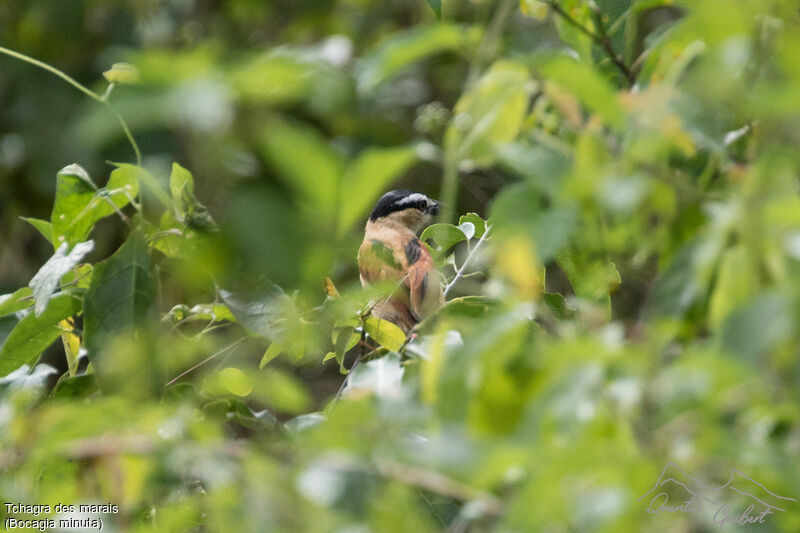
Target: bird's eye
423,204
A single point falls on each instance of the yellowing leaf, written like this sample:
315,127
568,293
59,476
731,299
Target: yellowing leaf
386,333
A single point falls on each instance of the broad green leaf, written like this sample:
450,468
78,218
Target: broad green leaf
16,301
123,74
45,282
74,191
445,235
401,49
366,178
42,226
120,296
306,163
479,225
385,333
588,85
344,339
35,333
276,78
272,352
489,114
79,204
71,387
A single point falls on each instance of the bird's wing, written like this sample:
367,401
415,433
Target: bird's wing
423,282
378,262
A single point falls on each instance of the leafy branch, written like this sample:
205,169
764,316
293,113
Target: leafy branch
600,38
460,272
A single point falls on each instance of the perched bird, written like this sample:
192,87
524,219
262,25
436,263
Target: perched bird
391,252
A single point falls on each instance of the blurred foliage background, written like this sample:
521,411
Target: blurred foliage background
633,301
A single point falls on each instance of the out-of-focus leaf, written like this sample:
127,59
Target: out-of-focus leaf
591,89
261,312
35,333
120,296
276,78
367,177
71,387
533,8
402,49
185,204
753,330
272,352
677,288
477,222
444,235
307,164
736,283
42,226
489,114
16,301
45,282
385,333
123,74
382,377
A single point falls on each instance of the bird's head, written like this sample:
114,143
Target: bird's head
407,208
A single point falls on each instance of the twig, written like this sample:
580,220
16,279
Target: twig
204,361
82,88
440,484
460,272
602,39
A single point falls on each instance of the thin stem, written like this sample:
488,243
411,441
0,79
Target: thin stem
82,88
206,360
602,39
460,272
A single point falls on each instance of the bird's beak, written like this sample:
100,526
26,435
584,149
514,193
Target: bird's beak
433,208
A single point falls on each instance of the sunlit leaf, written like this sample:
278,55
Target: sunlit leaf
123,74
444,235
16,301
46,280
386,333
34,333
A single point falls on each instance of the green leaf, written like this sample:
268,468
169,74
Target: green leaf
404,48
120,296
71,387
385,333
16,301
122,74
261,312
45,282
35,333
445,235
366,178
79,204
74,190
735,286
306,163
272,352
185,204
490,114
42,226
477,222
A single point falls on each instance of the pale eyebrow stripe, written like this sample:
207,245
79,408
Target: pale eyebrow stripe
411,198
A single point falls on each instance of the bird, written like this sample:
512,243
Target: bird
392,252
